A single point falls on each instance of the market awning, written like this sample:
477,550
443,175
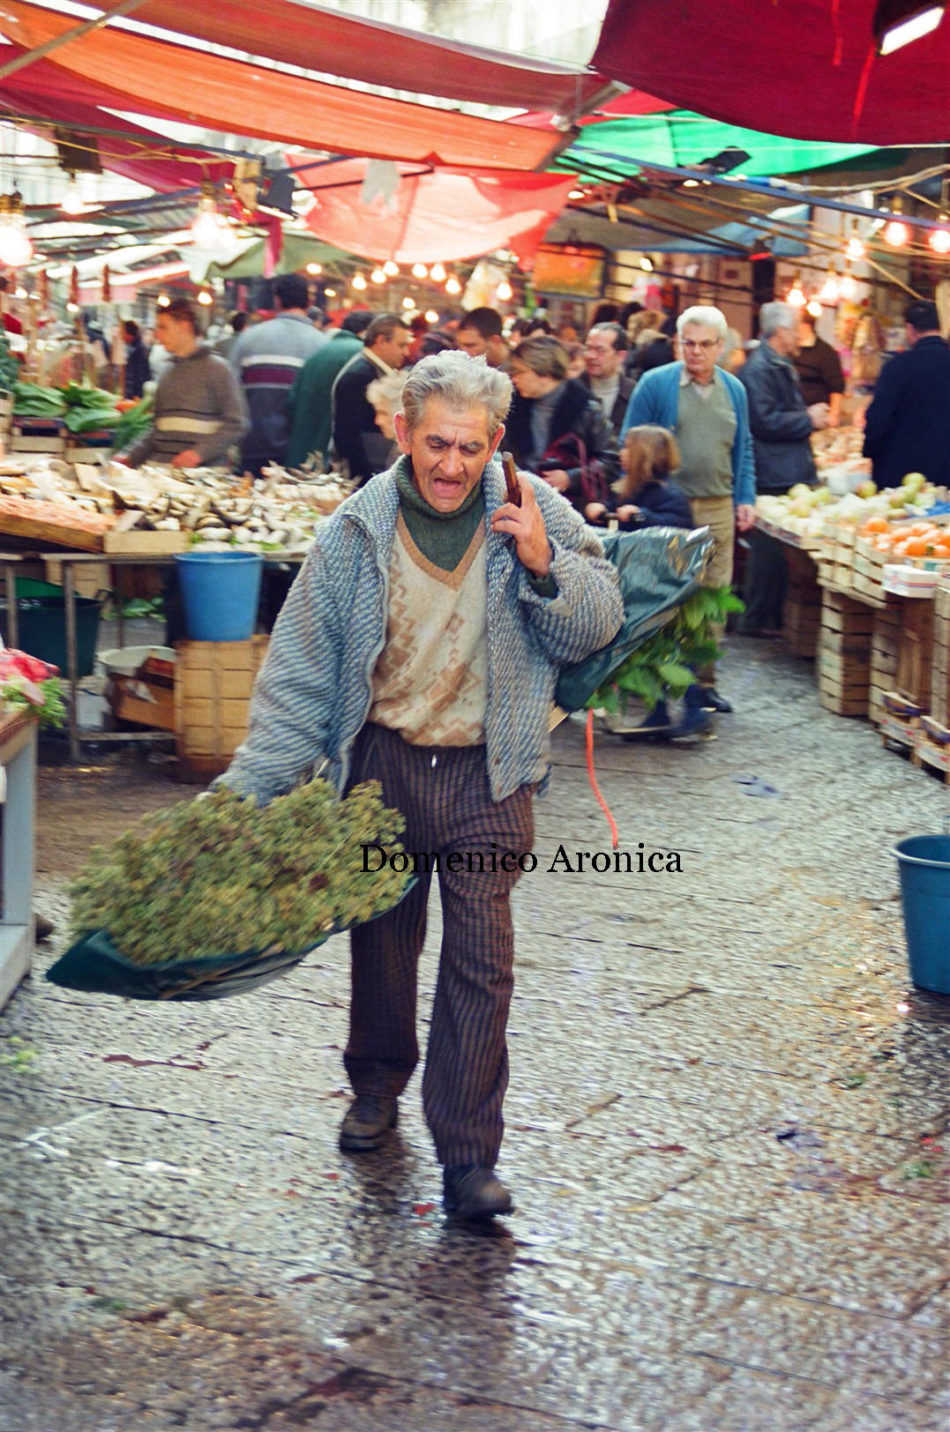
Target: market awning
44,93
156,76
681,137
804,68
377,54
441,214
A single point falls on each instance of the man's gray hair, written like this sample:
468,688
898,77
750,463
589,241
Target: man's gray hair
707,315
773,316
459,380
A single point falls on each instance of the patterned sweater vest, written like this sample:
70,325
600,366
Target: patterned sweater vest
431,680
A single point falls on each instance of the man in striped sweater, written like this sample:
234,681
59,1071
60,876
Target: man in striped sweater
420,647
199,408
266,359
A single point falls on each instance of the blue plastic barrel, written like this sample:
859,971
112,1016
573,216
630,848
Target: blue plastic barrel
219,592
924,864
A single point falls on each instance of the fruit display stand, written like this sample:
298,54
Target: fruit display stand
18,779
844,655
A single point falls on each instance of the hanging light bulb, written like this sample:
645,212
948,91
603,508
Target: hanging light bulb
378,275
72,200
452,285
420,271
329,293
437,273
205,298
504,291
408,302
813,306
896,232
314,270
431,316
849,286
209,228
939,239
855,249
16,248
163,300
646,264
830,291
796,294
391,268
358,281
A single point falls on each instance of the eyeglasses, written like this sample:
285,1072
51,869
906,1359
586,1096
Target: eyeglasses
704,344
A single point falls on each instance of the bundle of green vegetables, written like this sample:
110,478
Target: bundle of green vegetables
133,424
224,874
80,407
666,663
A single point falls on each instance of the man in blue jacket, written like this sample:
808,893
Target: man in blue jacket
907,426
420,646
706,408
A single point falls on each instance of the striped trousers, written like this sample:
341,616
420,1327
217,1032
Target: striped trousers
443,793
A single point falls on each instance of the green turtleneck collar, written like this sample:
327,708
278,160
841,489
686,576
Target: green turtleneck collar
442,537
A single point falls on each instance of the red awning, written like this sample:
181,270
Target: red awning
441,215
163,78
802,68
384,55
43,92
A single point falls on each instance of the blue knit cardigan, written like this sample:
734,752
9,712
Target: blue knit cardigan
656,400
313,693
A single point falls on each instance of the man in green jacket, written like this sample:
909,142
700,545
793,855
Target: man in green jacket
310,395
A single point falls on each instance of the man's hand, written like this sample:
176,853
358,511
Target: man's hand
745,516
526,525
191,457
818,412
556,478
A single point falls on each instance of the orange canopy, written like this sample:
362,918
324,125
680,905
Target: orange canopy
249,99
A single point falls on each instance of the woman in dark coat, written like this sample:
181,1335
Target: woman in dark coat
556,428
137,368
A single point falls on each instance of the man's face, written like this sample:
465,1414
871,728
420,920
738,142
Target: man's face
470,341
394,350
449,449
785,341
174,334
701,348
601,358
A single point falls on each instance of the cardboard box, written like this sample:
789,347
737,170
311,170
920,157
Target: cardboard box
144,701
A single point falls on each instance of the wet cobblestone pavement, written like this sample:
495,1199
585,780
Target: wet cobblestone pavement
726,1137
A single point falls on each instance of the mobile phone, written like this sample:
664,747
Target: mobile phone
511,478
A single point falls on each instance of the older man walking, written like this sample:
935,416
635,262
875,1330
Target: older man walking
781,425
605,352
420,647
706,408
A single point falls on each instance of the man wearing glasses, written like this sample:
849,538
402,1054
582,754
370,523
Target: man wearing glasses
708,411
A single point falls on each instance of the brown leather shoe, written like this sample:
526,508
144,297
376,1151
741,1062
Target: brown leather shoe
473,1191
367,1122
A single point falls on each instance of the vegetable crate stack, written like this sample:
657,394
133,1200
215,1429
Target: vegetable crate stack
213,684
801,614
933,740
844,655
885,646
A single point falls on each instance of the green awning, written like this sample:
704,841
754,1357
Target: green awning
682,138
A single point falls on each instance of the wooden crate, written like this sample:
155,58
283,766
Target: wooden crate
213,684
885,645
89,578
915,651
932,747
940,654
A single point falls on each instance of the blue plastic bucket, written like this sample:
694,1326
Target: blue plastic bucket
924,864
219,592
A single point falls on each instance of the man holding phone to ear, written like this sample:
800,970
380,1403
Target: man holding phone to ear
420,646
